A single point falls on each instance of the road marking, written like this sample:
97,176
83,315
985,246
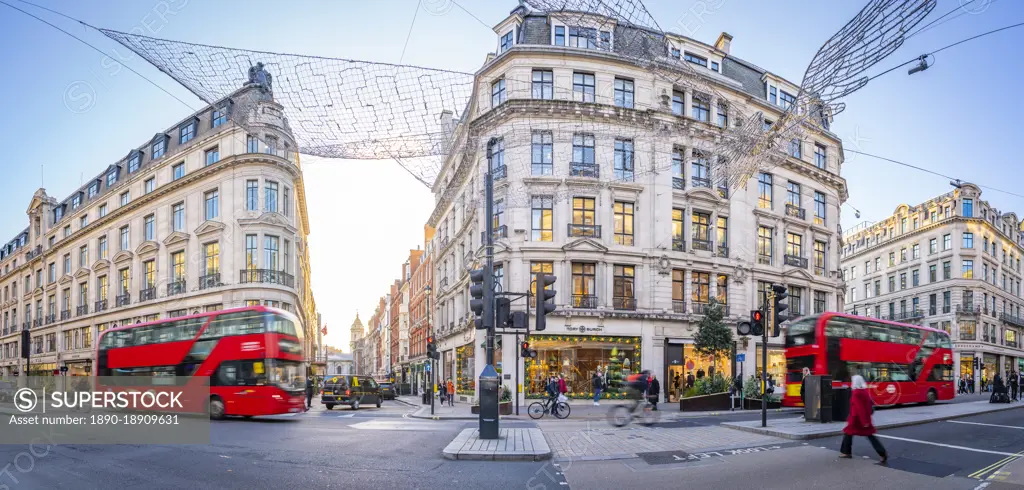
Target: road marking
987,425
950,446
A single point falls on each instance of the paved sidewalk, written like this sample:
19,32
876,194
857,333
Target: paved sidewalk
799,429
511,445
580,410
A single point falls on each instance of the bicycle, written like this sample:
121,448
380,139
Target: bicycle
622,415
559,409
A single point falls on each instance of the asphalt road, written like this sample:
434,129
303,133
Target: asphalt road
371,448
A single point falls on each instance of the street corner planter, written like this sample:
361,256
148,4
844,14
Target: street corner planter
703,403
755,404
474,409
505,408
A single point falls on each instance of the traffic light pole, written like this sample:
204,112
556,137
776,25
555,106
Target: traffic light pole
764,362
489,379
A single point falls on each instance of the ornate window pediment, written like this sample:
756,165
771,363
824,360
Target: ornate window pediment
208,228
175,238
82,273
585,245
123,256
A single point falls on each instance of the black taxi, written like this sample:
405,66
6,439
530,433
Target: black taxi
351,390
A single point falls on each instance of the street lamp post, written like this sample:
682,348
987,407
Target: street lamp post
433,368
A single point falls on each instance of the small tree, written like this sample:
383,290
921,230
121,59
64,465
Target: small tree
713,336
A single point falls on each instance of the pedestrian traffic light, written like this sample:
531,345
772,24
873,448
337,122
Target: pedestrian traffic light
26,344
756,322
543,295
503,312
975,363
432,348
525,352
743,329
780,305
478,304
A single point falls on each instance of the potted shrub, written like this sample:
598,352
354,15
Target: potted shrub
707,393
505,401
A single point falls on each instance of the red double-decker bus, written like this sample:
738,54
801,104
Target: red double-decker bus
252,356
902,363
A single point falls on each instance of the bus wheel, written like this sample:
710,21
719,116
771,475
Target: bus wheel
932,396
216,408
355,405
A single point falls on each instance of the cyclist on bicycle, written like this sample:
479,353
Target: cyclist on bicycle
553,392
637,387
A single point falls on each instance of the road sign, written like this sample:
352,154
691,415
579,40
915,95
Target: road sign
741,357
428,367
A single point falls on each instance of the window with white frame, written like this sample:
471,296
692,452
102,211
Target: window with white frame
507,40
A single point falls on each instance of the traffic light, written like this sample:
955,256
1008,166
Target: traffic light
756,322
26,344
503,312
543,295
780,305
432,348
526,352
479,306
743,329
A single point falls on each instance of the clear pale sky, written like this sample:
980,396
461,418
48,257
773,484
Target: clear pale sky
73,112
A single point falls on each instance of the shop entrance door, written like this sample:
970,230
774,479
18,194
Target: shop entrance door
674,380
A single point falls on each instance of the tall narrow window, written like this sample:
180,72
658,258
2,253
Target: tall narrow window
506,42
150,185
819,208
101,248
678,242
764,245
764,189
211,258
819,258
700,286
820,157
700,108
624,160
583,218
701,229
149,275
543,84
583,87
212,155
623,223
542,162
723,236
123,282
584,289
678,103
178,217
542,218
794,244
622,287
700,170
178,171
149,228
252,195
270,253
723,115
498,92
251,257
623,93
125,238
270,197
211,199
968,208
583,158
178,266
252,144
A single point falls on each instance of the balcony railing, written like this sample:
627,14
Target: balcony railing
794,261
123,300
704,245
1011,319
945,309
65,315
26,326
795,212
101,305
584,301
176,287
51,318
624,303
1011,343
266,276
585,170
968,309
82,310
907,315
37,323
499,172
147,294
209,281
723,251
678,244
764,259
701,182
678,183
678,306
588,231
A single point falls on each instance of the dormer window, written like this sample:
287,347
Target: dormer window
220,116
714,66
559,36
697,60
506,42
675,53
134,161
787,100
186,133
159,147
58,213
112,177
94,189
773,95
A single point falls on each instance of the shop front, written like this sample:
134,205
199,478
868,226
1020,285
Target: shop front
776,367
1009,365
577,358
684,366
967,367
465,370
991,368
42,369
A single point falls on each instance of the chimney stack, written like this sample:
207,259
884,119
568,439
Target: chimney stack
723,42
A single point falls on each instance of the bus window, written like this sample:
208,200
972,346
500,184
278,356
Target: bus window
226,375
912,336
281,324
944,341
242,323
878,333
802,331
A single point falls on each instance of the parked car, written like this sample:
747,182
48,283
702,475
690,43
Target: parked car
387,391
350,390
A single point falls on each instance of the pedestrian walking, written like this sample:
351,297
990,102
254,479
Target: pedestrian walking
859,422
598,385
1013,385
803,386
563,388
309,393
451,393
653,391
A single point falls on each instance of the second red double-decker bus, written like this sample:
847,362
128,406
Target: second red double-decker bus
252,356
902,363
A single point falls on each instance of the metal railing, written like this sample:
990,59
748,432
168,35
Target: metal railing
678,183
1012,319
123,300
678,306
51,318
588,231
968,309
266,276
101,305
65,315
624,303
82,310
795,212
584,301
907,315
176,287
764,259
701,182
585,170
723,251
704,245
147,294
37,323
443,283
794,261
209,281
678,244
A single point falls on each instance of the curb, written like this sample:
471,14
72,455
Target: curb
599,417
403,402
532,457
511,418
832,433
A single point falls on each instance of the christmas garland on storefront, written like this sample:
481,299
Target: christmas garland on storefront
614,366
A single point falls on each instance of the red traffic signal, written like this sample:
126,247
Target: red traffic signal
525,351
430,339
757,316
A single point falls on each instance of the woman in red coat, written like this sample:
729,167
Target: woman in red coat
859,423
